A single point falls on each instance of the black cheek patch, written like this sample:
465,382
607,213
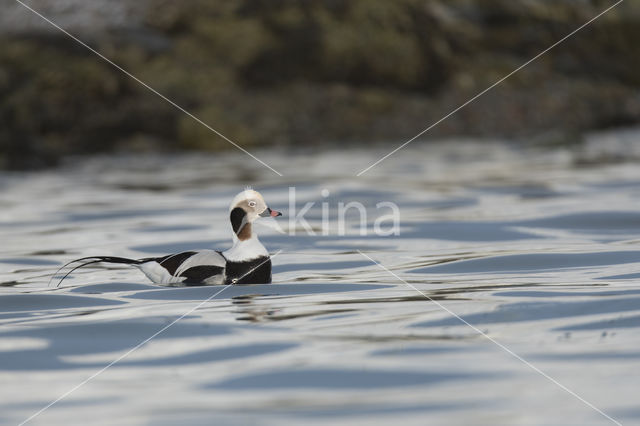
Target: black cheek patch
237,218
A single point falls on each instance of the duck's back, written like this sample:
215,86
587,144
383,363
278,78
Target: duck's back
198,267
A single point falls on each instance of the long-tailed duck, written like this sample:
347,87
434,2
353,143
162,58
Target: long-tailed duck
246,262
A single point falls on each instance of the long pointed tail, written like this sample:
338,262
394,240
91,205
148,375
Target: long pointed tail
90,260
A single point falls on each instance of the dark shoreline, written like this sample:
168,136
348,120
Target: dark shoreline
304,74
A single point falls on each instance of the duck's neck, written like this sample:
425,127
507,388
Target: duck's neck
246,246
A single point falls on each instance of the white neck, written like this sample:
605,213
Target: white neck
248,249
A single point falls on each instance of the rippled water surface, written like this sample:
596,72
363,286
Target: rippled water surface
539,250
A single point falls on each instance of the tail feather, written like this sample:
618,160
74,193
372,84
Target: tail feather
91,260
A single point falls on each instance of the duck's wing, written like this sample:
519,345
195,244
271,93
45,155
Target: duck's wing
189,267
205,266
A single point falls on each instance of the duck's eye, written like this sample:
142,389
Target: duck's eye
252,203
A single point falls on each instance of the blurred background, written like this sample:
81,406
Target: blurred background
294,73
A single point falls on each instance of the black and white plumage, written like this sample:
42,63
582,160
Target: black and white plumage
246,262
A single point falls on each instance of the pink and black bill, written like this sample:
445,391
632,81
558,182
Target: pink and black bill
268,212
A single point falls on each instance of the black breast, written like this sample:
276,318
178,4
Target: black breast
255,271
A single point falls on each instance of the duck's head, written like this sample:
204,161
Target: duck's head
245,208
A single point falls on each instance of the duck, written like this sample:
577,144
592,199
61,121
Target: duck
246,262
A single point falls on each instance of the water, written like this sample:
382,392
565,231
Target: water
539,249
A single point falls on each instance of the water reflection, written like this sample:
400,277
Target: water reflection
337,379
515,247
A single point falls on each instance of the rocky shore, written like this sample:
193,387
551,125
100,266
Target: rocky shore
307,73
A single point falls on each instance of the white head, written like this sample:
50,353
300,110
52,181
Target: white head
245,208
